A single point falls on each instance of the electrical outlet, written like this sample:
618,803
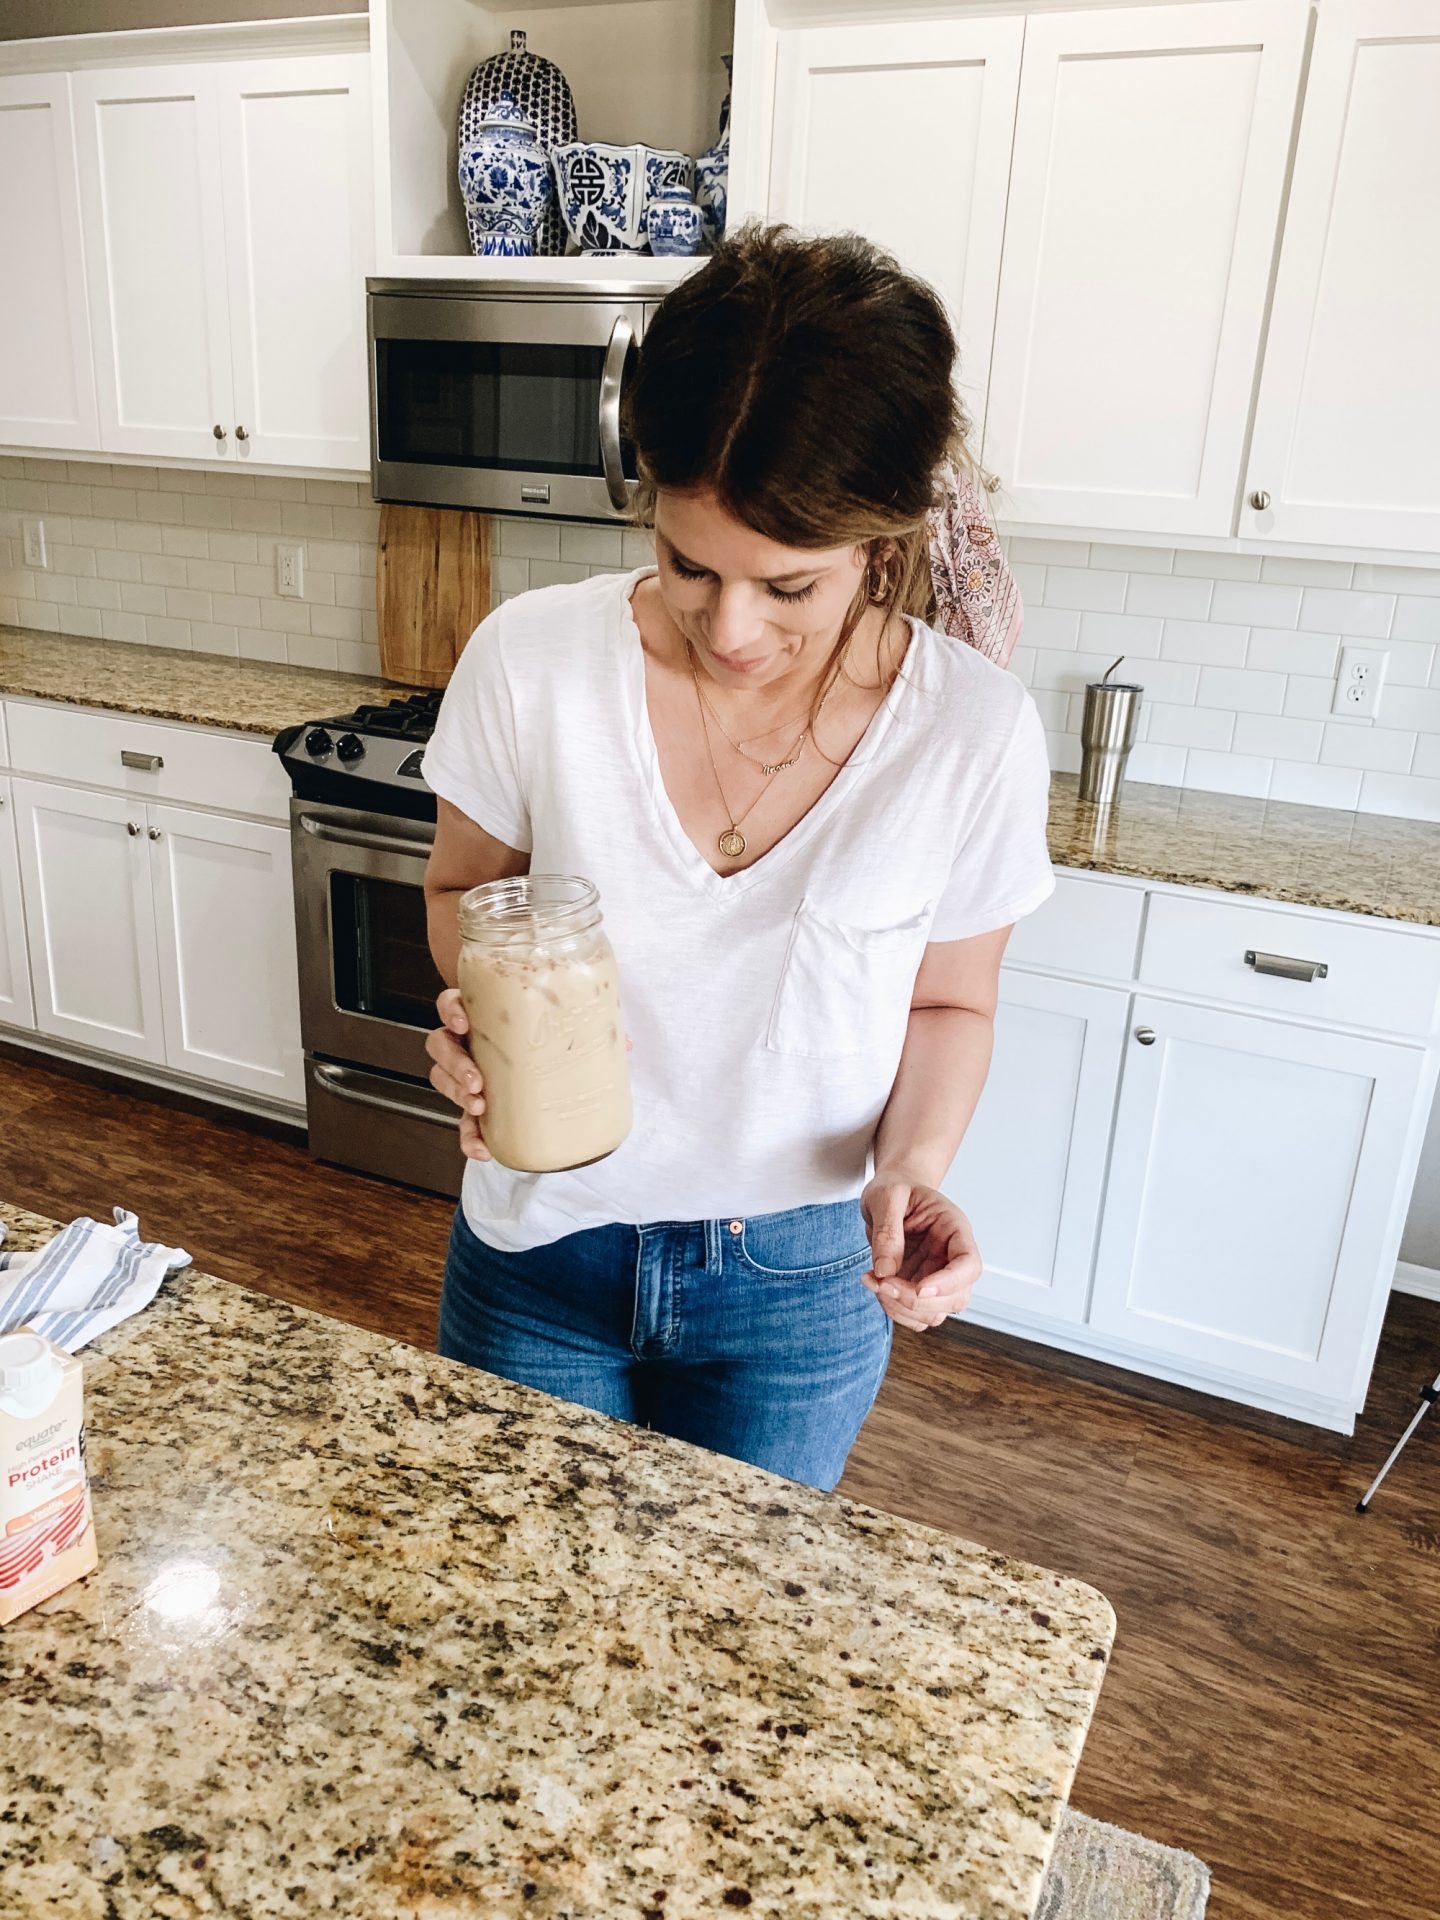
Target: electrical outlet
290,572
1359,681
32,533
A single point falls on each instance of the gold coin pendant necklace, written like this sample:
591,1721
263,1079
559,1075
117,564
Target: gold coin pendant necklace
732,843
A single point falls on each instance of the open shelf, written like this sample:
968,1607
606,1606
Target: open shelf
639,70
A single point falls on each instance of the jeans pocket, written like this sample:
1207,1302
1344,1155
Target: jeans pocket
808,1243
845,990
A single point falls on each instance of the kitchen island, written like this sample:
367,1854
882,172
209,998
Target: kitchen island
376,1635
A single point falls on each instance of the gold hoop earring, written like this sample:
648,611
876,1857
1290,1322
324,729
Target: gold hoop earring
879,583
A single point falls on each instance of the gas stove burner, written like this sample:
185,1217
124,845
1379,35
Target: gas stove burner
368,759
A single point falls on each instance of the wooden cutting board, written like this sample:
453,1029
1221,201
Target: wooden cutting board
432,589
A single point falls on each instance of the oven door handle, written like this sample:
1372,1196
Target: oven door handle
622,339
358,837
333,1080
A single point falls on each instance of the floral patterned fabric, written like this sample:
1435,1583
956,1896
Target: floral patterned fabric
976,598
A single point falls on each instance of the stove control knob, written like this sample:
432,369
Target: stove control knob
350,746
317,743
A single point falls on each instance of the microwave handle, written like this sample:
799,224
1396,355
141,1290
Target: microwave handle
622,339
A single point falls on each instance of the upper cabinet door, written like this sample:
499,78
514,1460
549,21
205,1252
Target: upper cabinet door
902,133
1150,156
1349,417
149,154
47,385
295,140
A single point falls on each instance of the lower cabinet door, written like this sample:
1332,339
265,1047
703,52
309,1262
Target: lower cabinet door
1031,1170
89,918
225,921
1248,1212
16,1007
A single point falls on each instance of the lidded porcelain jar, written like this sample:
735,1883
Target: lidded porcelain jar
505,179
541,993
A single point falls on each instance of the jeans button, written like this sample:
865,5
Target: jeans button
737,1227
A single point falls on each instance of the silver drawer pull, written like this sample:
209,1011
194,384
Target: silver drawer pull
334,1080
142,762
1284,968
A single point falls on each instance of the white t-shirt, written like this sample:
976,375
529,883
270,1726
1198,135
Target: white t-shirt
767,1009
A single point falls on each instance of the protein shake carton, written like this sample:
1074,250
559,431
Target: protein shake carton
47,1537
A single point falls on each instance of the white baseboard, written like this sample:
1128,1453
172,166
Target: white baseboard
1422,1280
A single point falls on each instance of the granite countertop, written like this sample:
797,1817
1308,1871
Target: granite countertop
376,1634
1314,856
1271,849
161,683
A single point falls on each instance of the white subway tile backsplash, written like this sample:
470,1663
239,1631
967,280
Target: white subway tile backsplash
1284,652
1416,618
1341,610
1315,786
1241,690
1374,749
1255,604
1122,633
1237,653
1204,642
1228,773
1084,588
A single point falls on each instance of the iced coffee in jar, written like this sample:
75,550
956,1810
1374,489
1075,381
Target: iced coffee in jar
541,993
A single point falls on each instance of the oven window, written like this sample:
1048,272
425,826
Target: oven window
381,954
512,406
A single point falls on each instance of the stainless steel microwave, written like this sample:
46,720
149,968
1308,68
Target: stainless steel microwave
501,397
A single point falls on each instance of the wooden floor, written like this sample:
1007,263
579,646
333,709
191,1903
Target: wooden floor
1272,1701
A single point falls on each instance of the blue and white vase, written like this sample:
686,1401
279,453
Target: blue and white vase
667,171
602,195
539,89
505,178
712,176
674,223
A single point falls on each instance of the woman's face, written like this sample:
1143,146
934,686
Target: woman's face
754,611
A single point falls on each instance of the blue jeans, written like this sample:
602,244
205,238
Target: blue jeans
753,1338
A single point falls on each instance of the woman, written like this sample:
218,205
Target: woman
812,821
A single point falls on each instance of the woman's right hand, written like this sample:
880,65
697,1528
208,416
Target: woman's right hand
455,1074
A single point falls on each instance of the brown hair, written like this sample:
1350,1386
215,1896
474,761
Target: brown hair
810,384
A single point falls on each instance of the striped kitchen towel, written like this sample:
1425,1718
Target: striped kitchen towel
85,1280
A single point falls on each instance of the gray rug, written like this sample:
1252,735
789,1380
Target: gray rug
1099,1872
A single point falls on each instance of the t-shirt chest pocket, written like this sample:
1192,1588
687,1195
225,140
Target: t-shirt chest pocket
845,989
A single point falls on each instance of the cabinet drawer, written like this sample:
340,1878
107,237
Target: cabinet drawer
1375,976
198,765
1086,926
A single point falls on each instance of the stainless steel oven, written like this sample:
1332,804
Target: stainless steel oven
502,398
367,995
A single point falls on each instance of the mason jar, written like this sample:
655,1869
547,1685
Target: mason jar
541,993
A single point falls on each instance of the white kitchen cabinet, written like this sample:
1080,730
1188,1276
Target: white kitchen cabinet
16,1007
947,88
227,222
225,925
1251,1193
1348,418
90,919
1031,1172
150,188
1149,163
47,386
295,153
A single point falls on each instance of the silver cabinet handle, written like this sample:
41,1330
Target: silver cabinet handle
1145,1035
241,434
1284,968
154,833
132,827
142,762
333,1080
218,431
1260,500
622,339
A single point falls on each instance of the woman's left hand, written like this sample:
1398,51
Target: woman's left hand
923,1249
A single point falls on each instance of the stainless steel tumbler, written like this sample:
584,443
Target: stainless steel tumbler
1107,733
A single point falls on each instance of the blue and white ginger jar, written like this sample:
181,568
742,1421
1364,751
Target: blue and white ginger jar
505,179
539,89
674,223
